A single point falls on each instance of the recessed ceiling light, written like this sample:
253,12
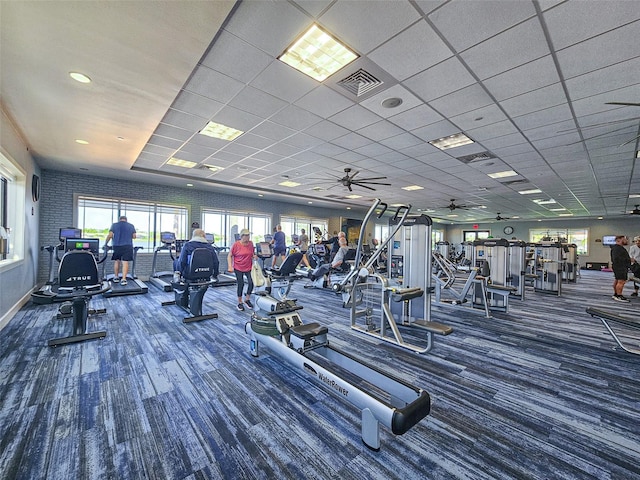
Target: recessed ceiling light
638,154
289,183
189,184
392,102
412,187
348,208
80,77
452,215
309,202
506,173
217,130
353,195
530,192
634,195
600,218
545,202
452,141
539,220
556,209
317,54
177,162
82,142
260,195
565,214
515,216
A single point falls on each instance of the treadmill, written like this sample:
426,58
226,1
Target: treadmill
164,278
134,285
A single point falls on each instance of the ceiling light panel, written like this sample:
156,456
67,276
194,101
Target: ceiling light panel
289,183
317,54
411,188
504,174
530,192
217,130
177,162
451,141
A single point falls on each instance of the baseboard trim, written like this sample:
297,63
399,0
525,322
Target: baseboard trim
6,318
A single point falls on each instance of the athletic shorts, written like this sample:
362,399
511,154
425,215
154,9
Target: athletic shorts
123,252
620,274
282,251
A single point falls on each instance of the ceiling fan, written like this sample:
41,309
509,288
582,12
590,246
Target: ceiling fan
452,206
349,180
613,122
498,217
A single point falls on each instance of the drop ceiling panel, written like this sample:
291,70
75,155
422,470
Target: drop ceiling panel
295,118
284,82
355,118
328,130
406,55
464,100
440,80
173,132
212,84
416,117
257,102
380,130
525,78
383,22
324,101
374,103
468,23
609,78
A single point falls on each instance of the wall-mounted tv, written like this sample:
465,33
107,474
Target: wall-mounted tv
609,240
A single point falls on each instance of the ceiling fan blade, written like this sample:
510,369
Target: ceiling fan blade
626,104
349,187
632,140
363,186
360,182
371,178
353,175
596,125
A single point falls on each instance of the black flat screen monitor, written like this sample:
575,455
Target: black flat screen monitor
167,237
268,237
209,237
90,244
609,240
69,232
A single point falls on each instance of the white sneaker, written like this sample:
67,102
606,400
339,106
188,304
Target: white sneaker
123,281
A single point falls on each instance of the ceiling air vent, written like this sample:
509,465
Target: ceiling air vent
476,157
360,82
515,182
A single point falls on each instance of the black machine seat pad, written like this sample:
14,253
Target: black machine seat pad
200,267
309,330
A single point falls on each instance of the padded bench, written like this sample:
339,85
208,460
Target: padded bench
606,317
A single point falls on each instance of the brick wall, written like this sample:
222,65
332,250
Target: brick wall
57,208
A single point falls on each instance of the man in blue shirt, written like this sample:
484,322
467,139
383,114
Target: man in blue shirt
123,234
279,245
198,240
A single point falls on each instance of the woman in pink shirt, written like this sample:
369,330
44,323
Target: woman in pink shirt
239,261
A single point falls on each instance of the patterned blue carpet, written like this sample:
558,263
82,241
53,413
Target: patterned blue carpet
538,393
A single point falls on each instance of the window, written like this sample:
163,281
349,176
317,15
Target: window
291,225
95,216
380,232
578,236
12,214
225,225
472,235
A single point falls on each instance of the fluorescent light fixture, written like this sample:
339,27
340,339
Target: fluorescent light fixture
82,142
556,209
545,202
506,173
600,218
260,195
452,141
411,188
565,214
213,168
309,202
530,192
80,77
539,220
638,154
353,196
348,208
634,195
289,183
217,130
317,54
189,184
452,215
515,216
177,162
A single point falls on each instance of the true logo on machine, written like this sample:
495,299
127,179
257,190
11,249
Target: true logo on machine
333,384
77,279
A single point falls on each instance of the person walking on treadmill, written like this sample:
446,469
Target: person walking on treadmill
620,263
279,245
123,234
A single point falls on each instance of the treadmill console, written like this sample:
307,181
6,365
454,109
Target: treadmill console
168,238
69,232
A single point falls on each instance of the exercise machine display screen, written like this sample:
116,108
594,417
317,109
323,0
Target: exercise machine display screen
320,249
209,237
69,233
264,249
167,237
90,244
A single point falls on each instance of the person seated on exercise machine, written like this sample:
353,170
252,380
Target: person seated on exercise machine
198,240
324,269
